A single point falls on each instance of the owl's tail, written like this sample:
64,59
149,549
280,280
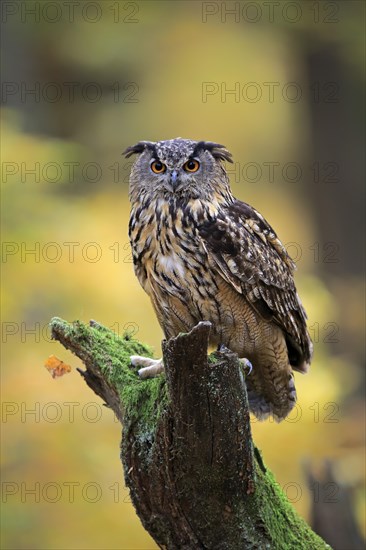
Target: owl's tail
262,408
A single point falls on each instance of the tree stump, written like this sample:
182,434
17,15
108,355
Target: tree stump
195,477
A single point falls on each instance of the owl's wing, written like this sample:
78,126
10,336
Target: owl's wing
249,256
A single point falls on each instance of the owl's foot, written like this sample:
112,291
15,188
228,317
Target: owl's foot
150,367
246,365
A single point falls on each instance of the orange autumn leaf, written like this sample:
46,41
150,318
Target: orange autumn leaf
56,367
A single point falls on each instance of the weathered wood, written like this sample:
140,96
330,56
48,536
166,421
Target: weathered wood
195,478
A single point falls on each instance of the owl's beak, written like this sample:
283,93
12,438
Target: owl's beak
174,180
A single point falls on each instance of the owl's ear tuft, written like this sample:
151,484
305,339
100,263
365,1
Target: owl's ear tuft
139,148
218,151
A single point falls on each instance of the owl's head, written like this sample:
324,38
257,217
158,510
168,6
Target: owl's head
178,168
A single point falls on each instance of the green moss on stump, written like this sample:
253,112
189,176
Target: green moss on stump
142,401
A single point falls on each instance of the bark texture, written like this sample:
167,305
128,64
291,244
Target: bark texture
195,477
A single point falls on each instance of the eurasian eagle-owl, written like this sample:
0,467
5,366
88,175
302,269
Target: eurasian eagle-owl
203,255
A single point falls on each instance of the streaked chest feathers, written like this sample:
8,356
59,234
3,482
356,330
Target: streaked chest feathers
170,259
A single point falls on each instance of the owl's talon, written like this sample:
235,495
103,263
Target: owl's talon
246,364
150,367
222,348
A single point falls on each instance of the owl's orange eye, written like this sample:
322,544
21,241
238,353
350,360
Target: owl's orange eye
191,165
158,167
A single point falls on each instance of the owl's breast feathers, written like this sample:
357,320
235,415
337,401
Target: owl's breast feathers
168,252
182,250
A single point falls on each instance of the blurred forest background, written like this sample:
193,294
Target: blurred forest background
281,85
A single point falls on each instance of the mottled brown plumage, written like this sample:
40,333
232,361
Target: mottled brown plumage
200,254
